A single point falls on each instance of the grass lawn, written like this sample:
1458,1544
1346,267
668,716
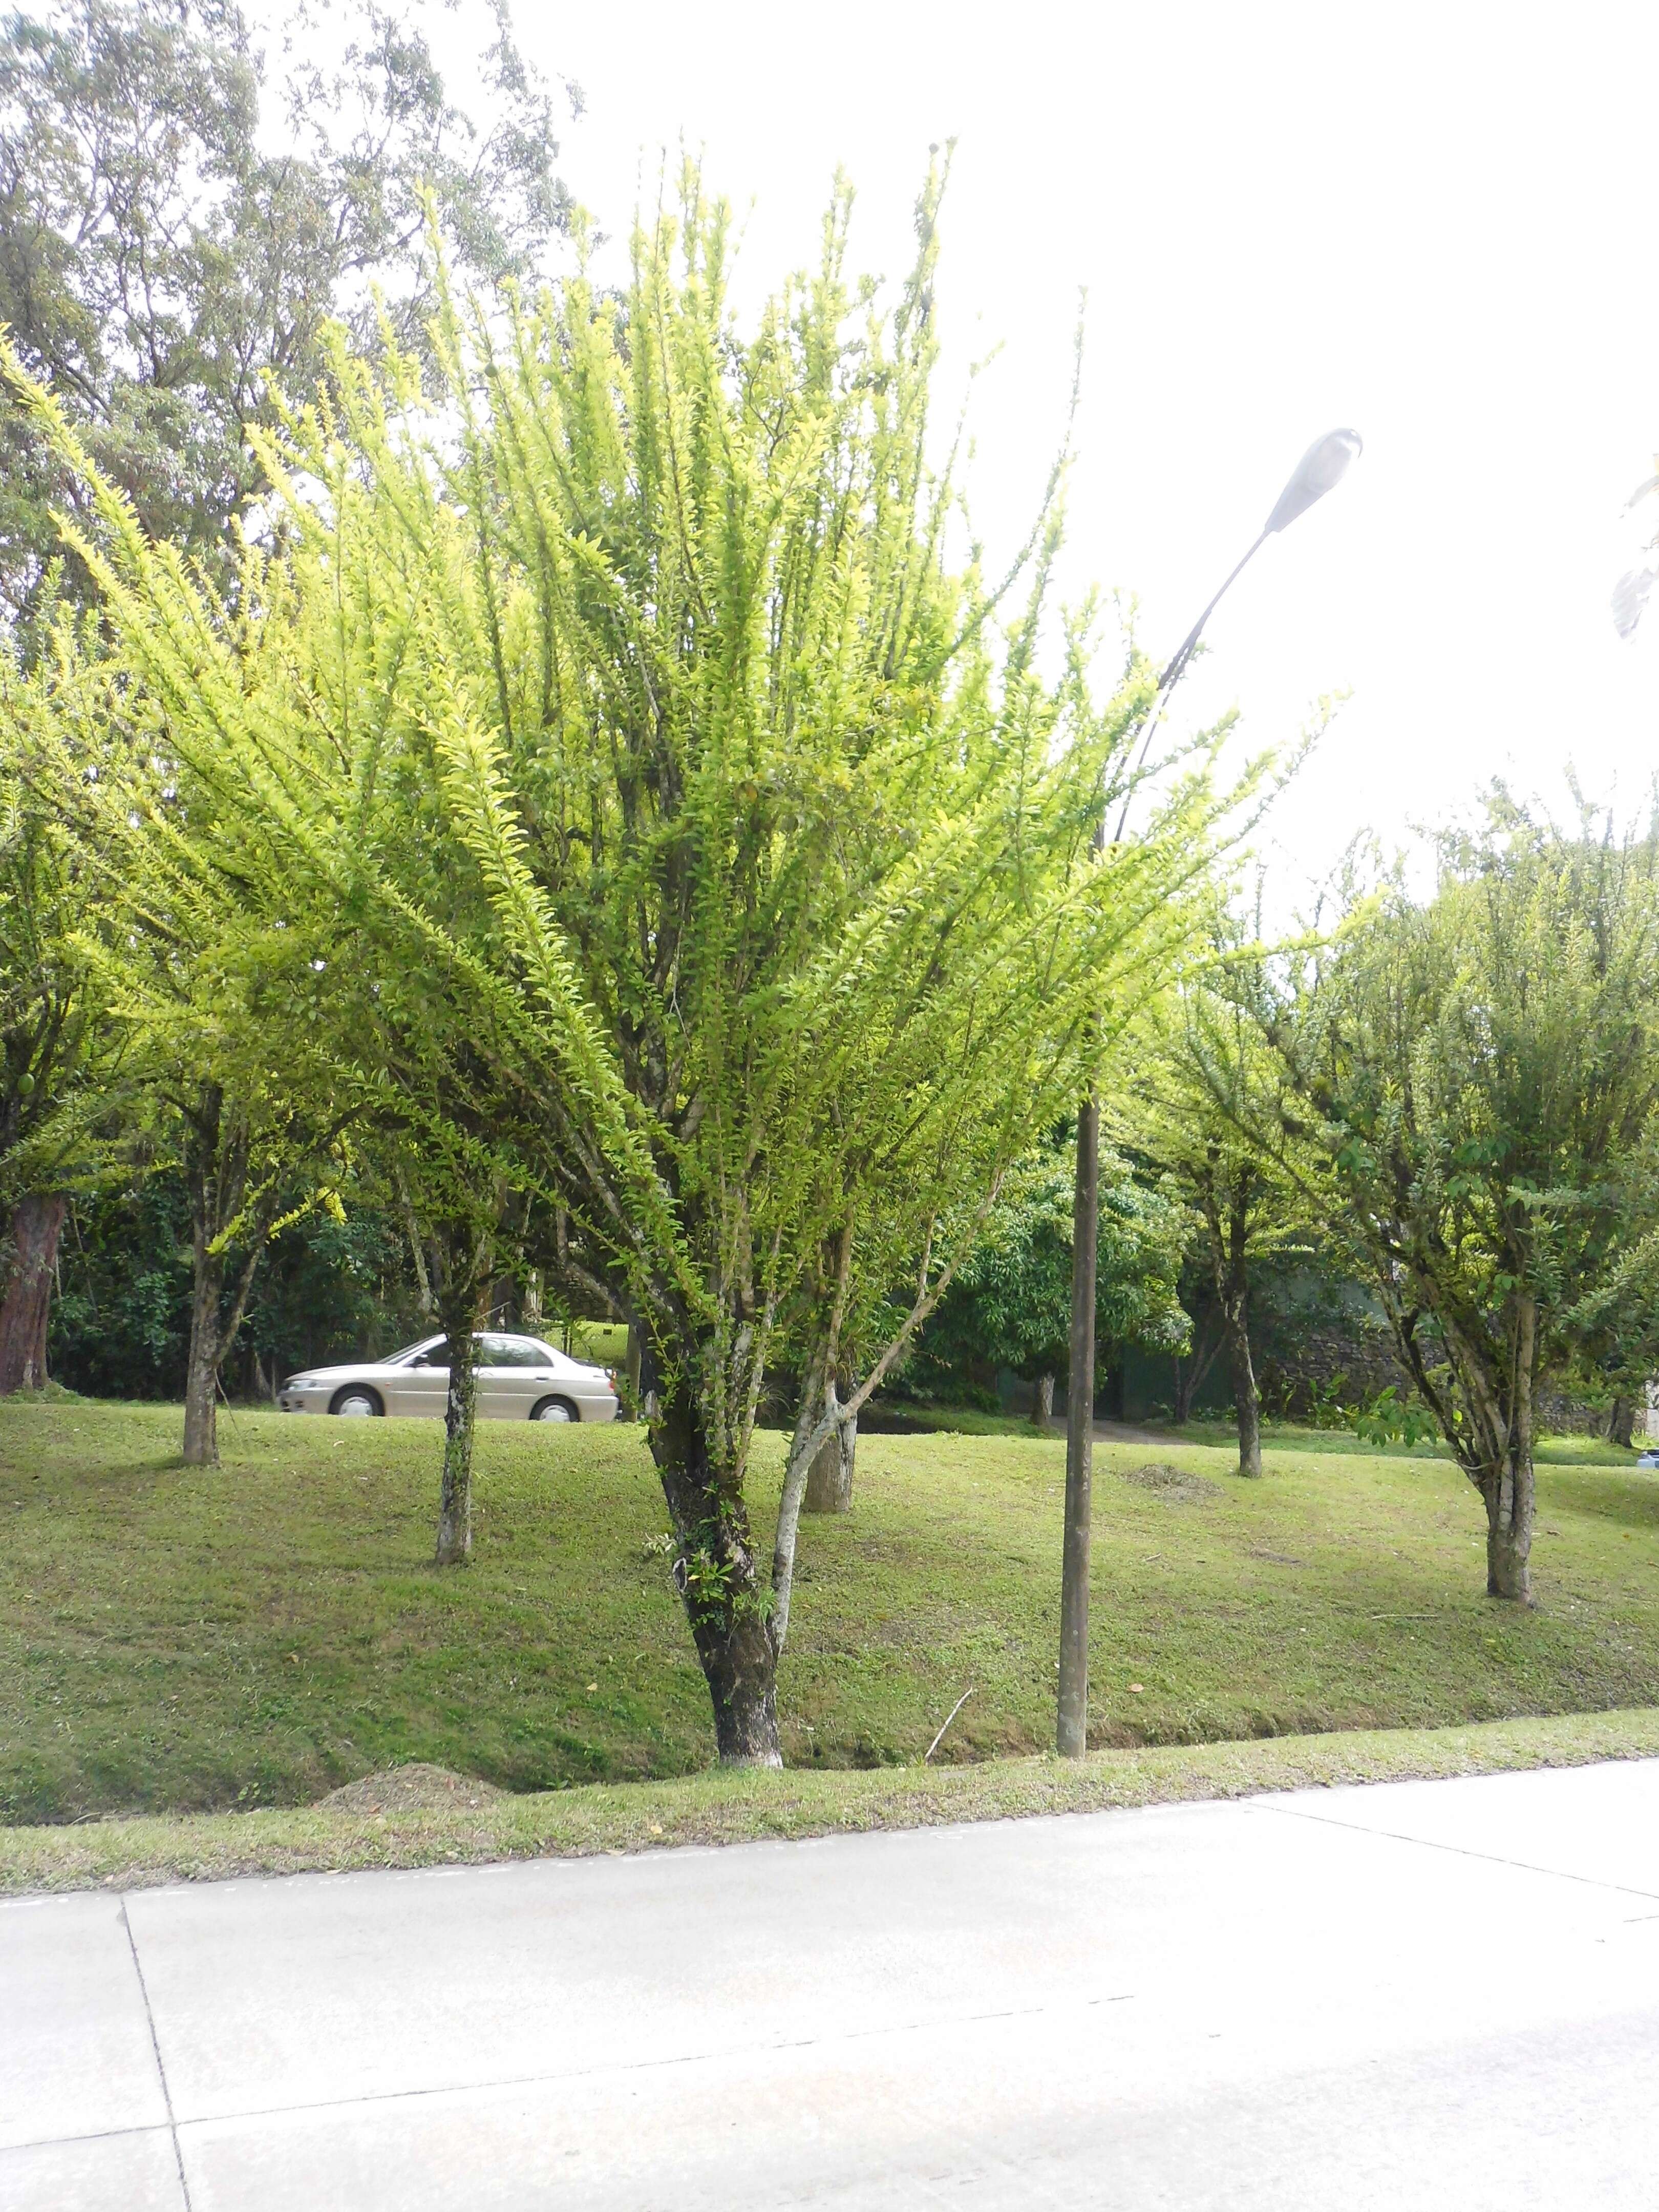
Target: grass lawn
178,1640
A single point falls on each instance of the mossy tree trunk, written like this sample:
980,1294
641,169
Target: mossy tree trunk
727,1600
460,1403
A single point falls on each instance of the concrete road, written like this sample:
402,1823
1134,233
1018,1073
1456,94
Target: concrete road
1422,1995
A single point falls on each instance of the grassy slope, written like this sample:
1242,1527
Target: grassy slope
177,1639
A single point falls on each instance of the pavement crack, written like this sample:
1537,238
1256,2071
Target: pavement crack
1457,1851
156,2045
623,2067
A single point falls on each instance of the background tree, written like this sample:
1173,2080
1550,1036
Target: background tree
1483,1071
183,212
327,1288
53,1057
1010,1303
1213,1087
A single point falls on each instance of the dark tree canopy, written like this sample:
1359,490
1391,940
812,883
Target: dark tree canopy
182,208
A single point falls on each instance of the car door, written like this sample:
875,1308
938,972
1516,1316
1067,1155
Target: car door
508,1380
421,1385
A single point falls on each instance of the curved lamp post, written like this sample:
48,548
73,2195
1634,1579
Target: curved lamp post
1320,468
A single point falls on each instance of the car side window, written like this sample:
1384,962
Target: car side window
510,1351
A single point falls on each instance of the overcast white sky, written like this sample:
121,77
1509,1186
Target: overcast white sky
1435,223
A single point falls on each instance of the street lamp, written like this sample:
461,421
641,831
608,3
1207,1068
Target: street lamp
1320,468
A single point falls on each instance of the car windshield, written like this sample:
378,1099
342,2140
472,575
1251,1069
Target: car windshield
421,1344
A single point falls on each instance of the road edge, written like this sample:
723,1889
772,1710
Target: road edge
720,1808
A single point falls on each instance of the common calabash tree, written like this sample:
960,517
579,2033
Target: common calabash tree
1482,1068
630,702
215,1002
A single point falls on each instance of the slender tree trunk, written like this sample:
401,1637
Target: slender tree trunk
629,1410
1246,1399
1621,1422
455,1493
1508,1489
201,1363
1185,1383
718,1577
27,1268
1489,1426
1232,1289
1042,1401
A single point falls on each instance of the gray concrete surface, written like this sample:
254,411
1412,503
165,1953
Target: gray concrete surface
1423,1995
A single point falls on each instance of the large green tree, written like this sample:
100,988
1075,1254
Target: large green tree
1480,1069
630,698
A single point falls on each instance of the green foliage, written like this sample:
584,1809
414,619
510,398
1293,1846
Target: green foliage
1011,1303
1482,1069
1388,1419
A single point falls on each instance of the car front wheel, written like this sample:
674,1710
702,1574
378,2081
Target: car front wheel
555,1409
356,1402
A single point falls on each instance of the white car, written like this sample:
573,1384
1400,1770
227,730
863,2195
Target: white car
520,1379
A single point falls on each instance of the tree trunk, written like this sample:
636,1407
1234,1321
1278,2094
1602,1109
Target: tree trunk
1042,1401
1621,1422
1509,1502
717,1576
202,1364
628,1409
1246,1400
830,1478
742,1675
455,1493
1190,1372
1186,1382
1232,1291
29,1265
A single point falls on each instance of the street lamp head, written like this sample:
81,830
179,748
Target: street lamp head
1320,470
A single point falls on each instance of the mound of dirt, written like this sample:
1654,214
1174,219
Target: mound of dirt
416,1788
1174,1483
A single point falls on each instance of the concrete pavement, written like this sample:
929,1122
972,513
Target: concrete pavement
1418,1996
